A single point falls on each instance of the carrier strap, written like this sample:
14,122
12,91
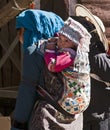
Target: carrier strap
46,96
99,79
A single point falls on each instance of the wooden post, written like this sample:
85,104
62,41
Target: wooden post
11,9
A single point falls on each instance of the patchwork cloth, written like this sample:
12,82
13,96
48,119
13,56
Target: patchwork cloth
76,96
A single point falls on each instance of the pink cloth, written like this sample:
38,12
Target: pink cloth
60,61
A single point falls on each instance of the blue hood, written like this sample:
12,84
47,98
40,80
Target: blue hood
38,25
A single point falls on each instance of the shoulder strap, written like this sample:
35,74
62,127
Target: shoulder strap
46,96
99,79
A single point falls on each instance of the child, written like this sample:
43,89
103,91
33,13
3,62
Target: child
70,57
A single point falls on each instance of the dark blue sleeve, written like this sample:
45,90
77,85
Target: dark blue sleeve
100,65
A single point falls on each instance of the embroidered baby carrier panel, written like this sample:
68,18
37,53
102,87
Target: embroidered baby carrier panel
73,94
76,96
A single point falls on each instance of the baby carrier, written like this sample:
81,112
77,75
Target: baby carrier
76,96
69,90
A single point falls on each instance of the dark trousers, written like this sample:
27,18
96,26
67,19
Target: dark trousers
97,122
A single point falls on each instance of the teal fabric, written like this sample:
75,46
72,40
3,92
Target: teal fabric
38,25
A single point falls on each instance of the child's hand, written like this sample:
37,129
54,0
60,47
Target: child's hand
70,51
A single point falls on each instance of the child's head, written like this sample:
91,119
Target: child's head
71,34
65,42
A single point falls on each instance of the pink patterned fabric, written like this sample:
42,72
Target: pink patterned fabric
61,61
